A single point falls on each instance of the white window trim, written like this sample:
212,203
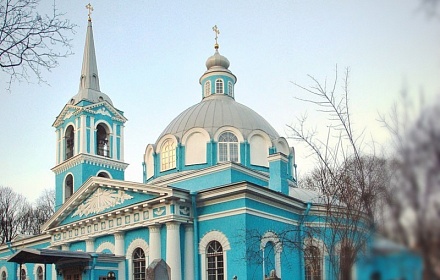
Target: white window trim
223,86
270,236
64,186
4,269
223,240
106,246
137,243
207,88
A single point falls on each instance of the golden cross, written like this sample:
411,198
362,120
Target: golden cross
217,31
90,8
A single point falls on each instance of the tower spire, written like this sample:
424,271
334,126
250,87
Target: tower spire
89,73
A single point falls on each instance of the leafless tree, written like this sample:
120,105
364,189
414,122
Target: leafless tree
40,212
14,210
413,197
344,175
28,40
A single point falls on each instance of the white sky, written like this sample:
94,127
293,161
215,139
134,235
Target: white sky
151,55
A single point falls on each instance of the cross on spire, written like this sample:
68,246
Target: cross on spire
90,8
217,31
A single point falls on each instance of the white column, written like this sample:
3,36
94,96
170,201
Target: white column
92,136
62,142
114,141
83,143
154,242
173,250
121,146
119,244
90,245
189,251
57,158
76,139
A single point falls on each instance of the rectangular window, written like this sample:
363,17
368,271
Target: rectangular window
233,152
222,152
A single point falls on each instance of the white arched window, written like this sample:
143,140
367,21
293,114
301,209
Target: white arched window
230,89
219,86
272,248
215,261
102,144
313,263
207,88
68,186
39,275
138,264
227,147
4,276
69,142
168,155
213,249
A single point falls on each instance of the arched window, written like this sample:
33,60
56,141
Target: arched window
69,141
313,263
68,187
227,147
207,88
23,274
214,259
4,275
102,144
219,86
40,274
103,175
168,155
138,264
230,89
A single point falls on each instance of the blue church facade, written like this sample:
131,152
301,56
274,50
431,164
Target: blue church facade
219,190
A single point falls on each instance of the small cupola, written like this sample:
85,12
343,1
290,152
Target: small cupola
217,79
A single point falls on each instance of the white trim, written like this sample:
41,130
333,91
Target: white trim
163,139
64,186
223,240
195,130
232,129
104,171
23,266
149,161
3,269
271,236
106,245
137,243
223,86
35,270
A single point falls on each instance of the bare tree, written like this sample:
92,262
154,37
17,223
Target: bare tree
40,212
344,175
413,198
14,211
28,39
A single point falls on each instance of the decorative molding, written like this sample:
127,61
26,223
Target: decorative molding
89,159
100,200
103,111
214,235
137,243
106,246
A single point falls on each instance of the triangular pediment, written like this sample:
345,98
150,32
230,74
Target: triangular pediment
102,108
102,196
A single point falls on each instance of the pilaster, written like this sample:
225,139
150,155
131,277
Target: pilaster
90,245
173,250
154,242
119,243
189,251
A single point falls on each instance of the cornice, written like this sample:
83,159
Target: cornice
91,159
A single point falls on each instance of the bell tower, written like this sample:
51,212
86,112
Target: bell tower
89,132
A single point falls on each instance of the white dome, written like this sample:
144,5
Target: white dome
215,111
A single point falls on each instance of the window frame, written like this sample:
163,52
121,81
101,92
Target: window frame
139,264
207,88
216,257
168,155
228,147
313,254
219,86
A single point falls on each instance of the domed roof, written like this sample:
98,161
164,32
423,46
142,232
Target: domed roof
218,111
217,60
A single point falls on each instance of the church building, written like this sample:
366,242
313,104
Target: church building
217,176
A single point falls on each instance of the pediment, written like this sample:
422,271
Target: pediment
103,196
102,108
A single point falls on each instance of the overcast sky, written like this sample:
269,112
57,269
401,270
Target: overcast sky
151,55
